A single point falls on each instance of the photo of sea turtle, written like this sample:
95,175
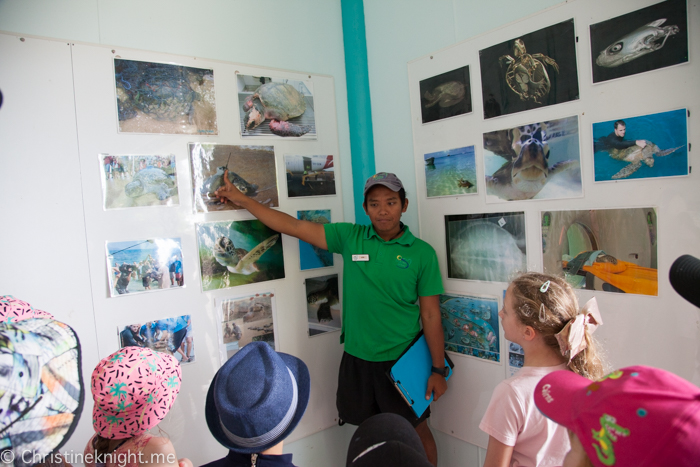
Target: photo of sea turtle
164,98
237,253
534,161
446,95
470,323
530,71
138,180
310,256
244,320
252,169
451,172
647,146
276,107
642,40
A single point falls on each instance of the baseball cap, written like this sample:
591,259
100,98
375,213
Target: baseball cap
387,179
388,440
636,416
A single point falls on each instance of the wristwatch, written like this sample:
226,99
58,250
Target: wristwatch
444,371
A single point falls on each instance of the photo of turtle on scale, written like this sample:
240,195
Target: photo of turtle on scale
530,71
276,107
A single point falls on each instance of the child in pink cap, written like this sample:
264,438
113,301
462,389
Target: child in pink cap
133,389
541,314
634,417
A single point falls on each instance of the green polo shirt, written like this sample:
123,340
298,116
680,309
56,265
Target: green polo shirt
381,315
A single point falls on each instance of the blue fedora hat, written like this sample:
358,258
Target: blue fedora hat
257,398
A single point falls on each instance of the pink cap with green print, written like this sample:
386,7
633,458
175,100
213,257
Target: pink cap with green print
133,390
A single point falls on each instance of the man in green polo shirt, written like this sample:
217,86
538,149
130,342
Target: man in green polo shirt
391,284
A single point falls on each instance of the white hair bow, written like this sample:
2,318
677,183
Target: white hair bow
572,338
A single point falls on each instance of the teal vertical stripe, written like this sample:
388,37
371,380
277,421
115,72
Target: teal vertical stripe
359,104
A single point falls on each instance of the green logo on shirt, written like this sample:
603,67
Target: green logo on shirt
402,262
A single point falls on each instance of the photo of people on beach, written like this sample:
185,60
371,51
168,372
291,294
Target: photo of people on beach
243,320
647,146
276,107
470,324
323,304
251,169
164,98
238,253
310,256
141,266
138,180
170,335
610,250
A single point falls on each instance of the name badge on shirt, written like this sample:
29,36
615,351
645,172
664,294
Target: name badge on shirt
360,257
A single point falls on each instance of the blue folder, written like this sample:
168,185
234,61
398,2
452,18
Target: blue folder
411,372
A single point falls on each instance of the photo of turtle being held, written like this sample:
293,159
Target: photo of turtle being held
251,169
275,107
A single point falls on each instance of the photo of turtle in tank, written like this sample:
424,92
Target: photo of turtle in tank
323,304
163,98
287,106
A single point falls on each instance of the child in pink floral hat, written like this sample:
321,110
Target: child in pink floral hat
133,389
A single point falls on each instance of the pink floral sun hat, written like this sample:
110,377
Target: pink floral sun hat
133,389
14,309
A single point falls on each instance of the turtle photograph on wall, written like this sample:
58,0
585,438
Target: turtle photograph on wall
275,107
309,175
450,172
610,250
251,169
245,319
647,146
238,253
470,324
164,98
534,161
140,266
643,40
485,247
172,336
446,95
310,256
531,71
322,304
138,180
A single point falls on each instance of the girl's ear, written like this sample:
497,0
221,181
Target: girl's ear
529,333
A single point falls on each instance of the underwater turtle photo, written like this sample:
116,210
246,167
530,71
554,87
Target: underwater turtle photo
636,155
526,74
164,98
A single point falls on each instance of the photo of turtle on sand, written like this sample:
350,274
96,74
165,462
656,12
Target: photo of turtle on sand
138,180
323,304
251,169
450,172
164,98
531,71
276,107
244,320
238,253
446,95
648,146
535,161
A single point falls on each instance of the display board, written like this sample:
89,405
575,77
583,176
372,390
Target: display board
540,101
110,137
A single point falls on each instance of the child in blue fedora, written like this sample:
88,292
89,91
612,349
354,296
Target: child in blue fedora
255,401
